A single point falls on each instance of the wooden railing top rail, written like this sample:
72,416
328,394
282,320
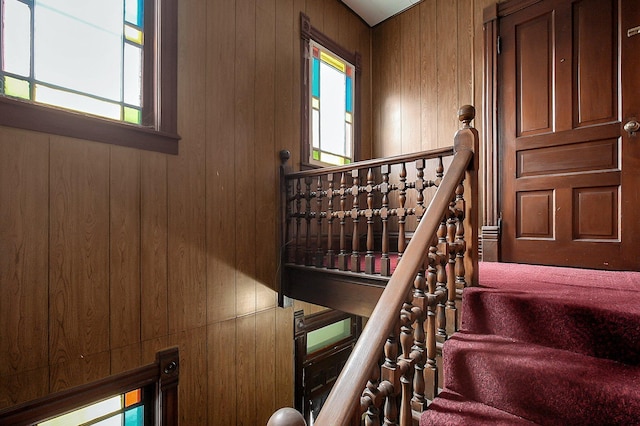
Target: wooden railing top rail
376,162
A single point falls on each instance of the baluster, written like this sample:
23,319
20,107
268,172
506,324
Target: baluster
331,258
289,256
308,258
319,257
406,379
370,400
385,262
441,280
391,374
355,213
342,256
439,172
431,367
451,276
401,211
459,263
420,185
418,402
369,259
298,221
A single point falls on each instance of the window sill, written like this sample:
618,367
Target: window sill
39,118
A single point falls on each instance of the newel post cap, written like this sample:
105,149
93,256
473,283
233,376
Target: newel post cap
286,417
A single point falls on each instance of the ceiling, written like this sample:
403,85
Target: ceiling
375,11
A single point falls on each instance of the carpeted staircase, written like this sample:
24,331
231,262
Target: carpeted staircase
546,346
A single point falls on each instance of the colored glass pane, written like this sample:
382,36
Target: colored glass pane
315,103
348,117
315,78
133,34
17,88
16,38
316,52
349,95
132,397
316,155
133,12
333,61
134,416
132,115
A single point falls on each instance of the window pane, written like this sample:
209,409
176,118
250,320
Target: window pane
325,336
86,414
132,75
17,88
16,38
132,115
133,12
111,421
76,102
332,113
316,128
134,416
78,45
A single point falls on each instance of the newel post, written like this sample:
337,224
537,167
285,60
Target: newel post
286,417
467,139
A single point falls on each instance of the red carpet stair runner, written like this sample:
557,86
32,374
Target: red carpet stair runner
546,346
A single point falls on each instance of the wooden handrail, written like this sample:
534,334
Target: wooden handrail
344,398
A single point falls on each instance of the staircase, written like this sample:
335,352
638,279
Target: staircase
546,346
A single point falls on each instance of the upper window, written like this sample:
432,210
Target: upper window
101,60
331,122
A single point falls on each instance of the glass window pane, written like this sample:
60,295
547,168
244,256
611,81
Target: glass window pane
87,413
132,397
17,88
315,135
16,38
76,102
332,113
134,416
132,115
132,34
328,335
78,45
315,76
349,88
133,75
133,12
348,139
111,421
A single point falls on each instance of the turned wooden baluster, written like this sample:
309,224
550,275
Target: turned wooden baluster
308,214
390,374
460,271
451,276
369,259
420,186
401,212
298,213
385,262
371,400
319,256
441,280
355,214
418,401
331,257
407,316
431,367
342,256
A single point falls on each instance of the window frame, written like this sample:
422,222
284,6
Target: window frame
159,116
308,33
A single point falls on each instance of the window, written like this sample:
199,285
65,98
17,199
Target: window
330,134
126,409
90,69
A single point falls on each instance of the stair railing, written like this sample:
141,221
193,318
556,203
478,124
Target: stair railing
416,311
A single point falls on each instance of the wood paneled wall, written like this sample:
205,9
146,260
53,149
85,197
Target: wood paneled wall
108,254
427,62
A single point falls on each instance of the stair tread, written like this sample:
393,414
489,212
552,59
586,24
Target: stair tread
517,377
451,408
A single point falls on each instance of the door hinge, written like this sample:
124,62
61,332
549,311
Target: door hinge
499,45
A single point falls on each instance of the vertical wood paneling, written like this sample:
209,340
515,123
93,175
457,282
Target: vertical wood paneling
83,369
245,368
284,359
220,231
222,378
446,57
153,255
186,177
193,390
24,386
124,253
79,250
265,365
126,358
245,204
410,81
24,221
266,160
428,73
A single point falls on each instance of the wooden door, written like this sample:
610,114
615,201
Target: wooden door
568,81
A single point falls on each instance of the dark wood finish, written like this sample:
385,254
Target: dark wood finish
565,154
162,376
159,130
